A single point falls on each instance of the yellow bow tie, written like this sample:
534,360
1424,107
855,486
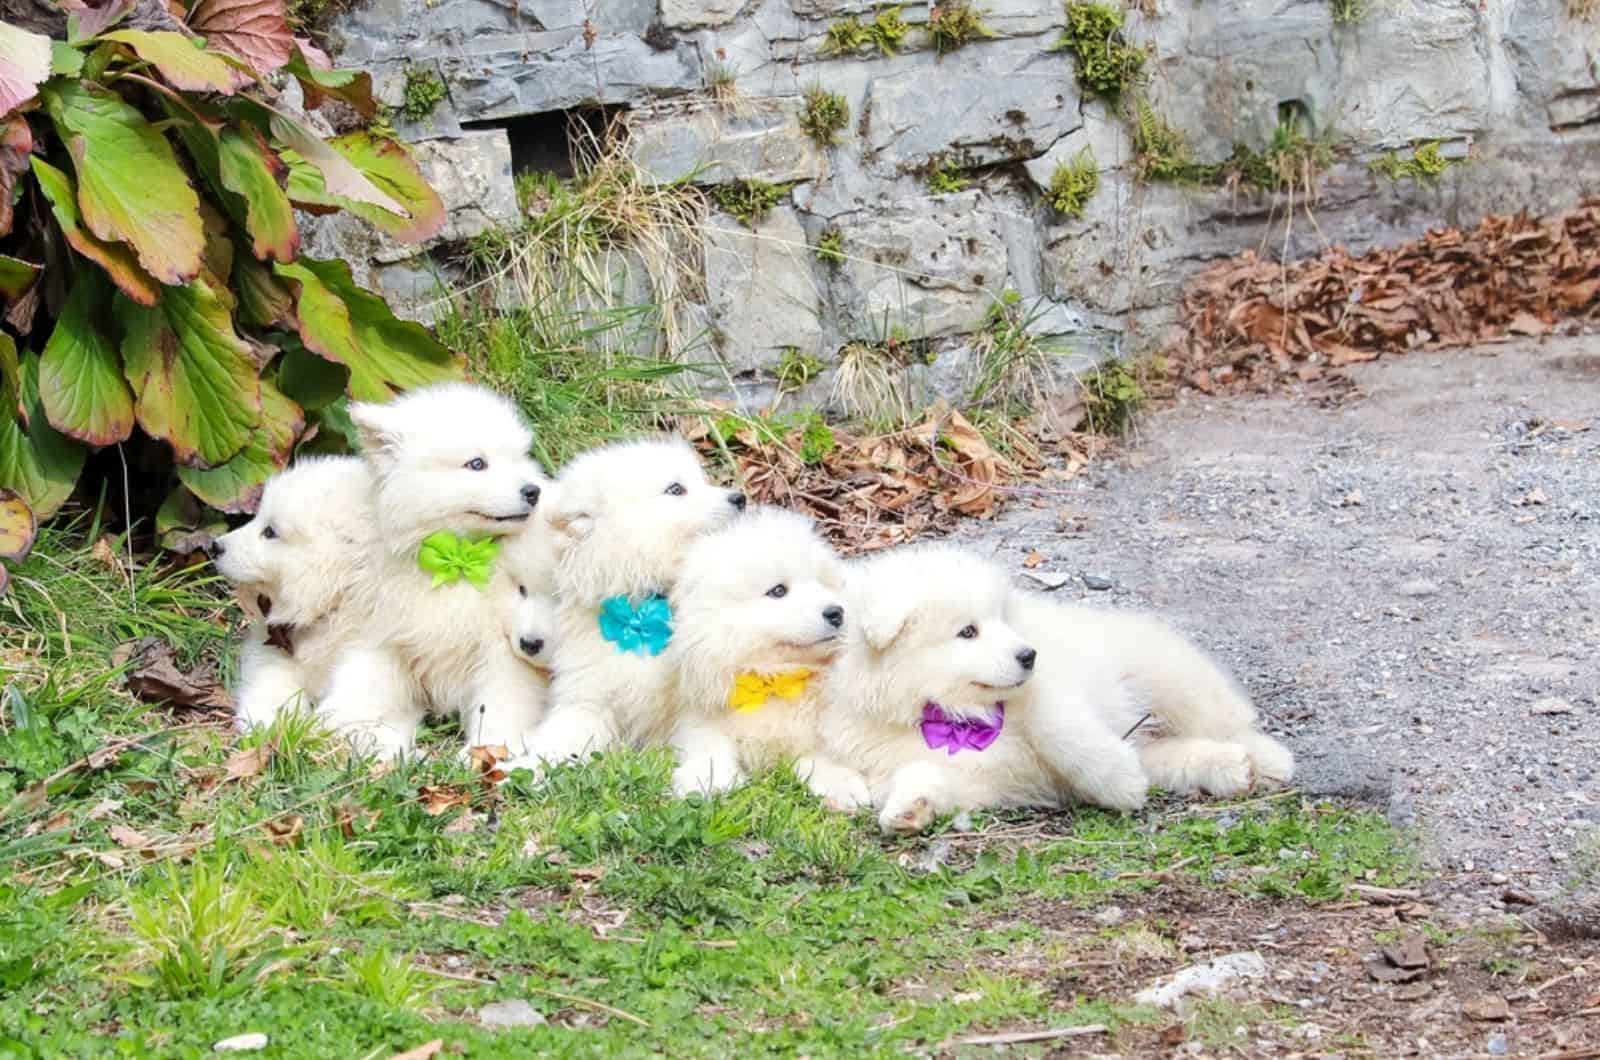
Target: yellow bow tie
751,691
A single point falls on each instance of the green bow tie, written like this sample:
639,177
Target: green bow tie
450,558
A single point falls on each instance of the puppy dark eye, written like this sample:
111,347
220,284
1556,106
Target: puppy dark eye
676,490
968,632
522,591
477,463
779,591
268,532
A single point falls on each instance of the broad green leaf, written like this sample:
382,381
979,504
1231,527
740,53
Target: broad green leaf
183,524
318,82
312,382
10,376
24,65
65,60
17,527
264,301
254,31
80,371
16,276
345,323
251,170
116,258
35,459
390,167
235,487
331,431
340,179
183,61
130,185
194,381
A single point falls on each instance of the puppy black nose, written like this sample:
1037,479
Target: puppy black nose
738,500
215,549
833,614
1026,657
531,645
530,494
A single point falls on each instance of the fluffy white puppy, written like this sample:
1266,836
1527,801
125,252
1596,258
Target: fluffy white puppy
759,615
956,689
302,570
622,519
452,479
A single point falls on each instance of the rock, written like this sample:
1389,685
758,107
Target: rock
1486,1008
764,296
1518,896
756,141
514,1013
1207,978
1110,916
1497,1045
689,14
1550,705
1097,583
242,1043
1419,587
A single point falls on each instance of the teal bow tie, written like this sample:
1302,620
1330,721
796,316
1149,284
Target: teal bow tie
642,629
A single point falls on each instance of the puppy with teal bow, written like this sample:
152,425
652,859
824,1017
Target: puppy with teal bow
621,521
452,484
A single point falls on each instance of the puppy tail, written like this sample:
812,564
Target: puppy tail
1180,684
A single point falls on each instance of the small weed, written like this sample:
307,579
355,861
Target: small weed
722,83
200,935
1425,164
796,369
1582,10
1113,395
954,24
1349,12
1107,65
817,442
1010,363
424,90
389,979
830,246
1073,184
748,200
1224,1024
1291,162
824,115
886,32
1161,153
945,177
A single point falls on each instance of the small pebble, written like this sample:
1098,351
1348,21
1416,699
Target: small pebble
242,1043
1096,582
1110,916
515,1013
1498,1045
1419,587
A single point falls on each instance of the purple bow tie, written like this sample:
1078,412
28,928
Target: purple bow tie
959,734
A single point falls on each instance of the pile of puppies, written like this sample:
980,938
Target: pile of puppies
633,602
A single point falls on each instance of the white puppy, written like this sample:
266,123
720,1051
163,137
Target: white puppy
622,519
452,479
302,569
957,690
759,616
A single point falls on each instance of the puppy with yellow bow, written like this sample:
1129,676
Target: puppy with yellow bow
759,614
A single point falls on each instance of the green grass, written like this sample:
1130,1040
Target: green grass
320,902
955,24
886,32
830,246
424,91
749,201
1425,164
1107,65
824,115
1073,184
945,177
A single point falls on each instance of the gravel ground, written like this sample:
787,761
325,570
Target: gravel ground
1409,585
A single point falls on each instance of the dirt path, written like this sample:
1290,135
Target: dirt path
1408,584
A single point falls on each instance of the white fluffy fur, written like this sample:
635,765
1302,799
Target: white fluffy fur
441,649
622,519
1097,673
302,562
764,595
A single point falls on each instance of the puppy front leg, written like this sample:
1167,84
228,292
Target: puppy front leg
917,792
839,787
1095,764
269,683
569,733
1188,764
708,760
506,705
373,702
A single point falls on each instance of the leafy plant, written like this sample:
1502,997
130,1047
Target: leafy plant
1349,12
424,90
1010,364
201,935
830,246
817,441
1073,184
1292,160
886,32
1426,163
748,200
722,79
954,24
796,369
1161,153
946,178
825,113
150,253
1106,63
1112,395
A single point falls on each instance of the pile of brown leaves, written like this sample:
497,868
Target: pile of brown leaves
1251,323
876,491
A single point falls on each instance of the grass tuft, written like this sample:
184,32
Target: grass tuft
1011,365
1107,64
886,32
954,24
1113,396
830,246
749,201
945,177
825,113
1425,164
1073,184
424,91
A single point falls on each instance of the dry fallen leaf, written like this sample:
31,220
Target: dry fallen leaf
438,798
249,762
285,830
128,838
1035,559
422,1052
154,677
104,808
462,825
58,821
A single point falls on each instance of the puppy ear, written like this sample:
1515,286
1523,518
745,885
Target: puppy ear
375,427
881,616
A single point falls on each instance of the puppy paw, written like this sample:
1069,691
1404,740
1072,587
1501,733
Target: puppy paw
906,818
688,781
846,795
1229,773
1272,761
1124,789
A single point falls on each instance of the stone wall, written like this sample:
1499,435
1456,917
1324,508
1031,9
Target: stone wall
1507,86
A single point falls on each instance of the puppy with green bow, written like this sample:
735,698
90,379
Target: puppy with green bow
452,485
760,615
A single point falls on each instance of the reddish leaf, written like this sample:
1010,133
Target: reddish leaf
24,65
254,31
